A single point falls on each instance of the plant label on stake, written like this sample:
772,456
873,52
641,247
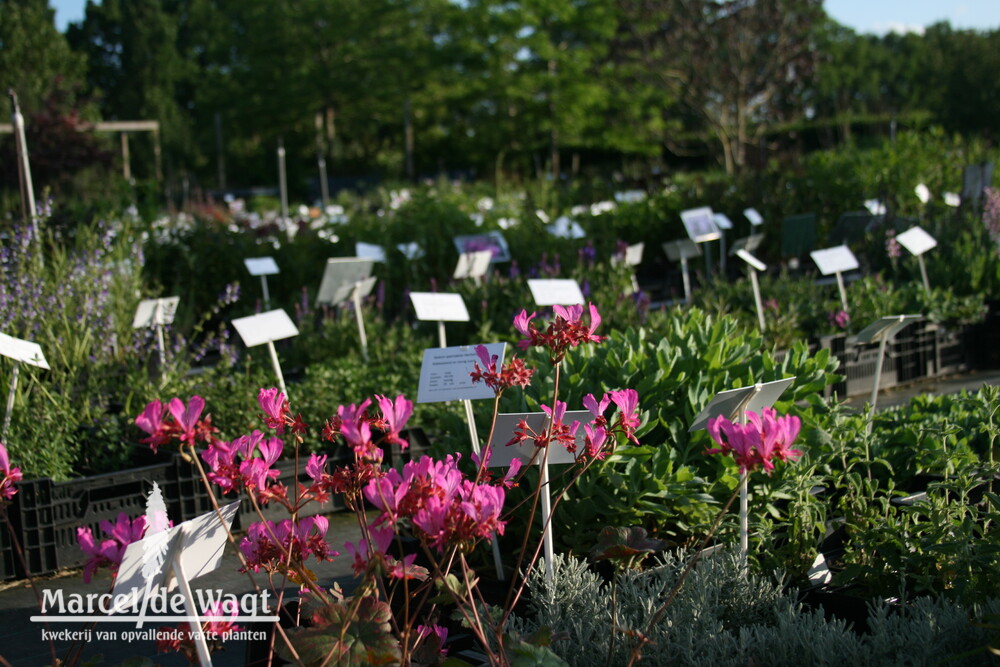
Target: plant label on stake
473,265
733,404
341,273
555,292
632,257
371,251
188,551
358,292
411,250
439,307
681,250
19,351
882,331
755,218
754,265
156,313
724,224
501,455
701,228
263,267
493,241
264,329
917,242
836,260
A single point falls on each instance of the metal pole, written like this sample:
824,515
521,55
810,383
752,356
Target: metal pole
744,506
10,398
267,295
470,419
441,336
356,298
878,378
547,520
282,182
28,209
277,367
722,253
687,279
923,274
843,291
126,162
756,298
324,187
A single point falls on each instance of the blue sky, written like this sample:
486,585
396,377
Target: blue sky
876,16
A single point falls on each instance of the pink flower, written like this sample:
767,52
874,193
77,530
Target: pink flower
275,407
186,418
11,475
509,375
354,427
596,437
394,417
764,438
627,401
109,552
151,421
596,408
438,631
314,468
307,538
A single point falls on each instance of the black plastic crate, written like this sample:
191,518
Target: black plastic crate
186,496
952,350
914,349
49,513
857,366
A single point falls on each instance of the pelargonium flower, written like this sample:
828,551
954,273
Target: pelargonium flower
374,556
764,438
395,413
11,475
186,425
566,330
304,539
109,552
513,374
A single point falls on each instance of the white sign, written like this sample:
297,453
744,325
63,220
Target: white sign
371,251
565,228
916,240
875,207
885,327
201,543
265,327
751,260
837,259
342,272
683,249
923,193
700,224
411,250
439,307
722,221
748,243
633,254
472,264
555,292
22,350
261,266
753,216
502,454
730,403
445,374
952,199
152,312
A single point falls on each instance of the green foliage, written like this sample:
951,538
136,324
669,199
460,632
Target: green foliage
356,631
725,617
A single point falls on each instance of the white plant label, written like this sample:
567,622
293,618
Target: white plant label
472,264
152,312
837,259
342,272
371,251
555,292
751,260
445,374
633,254
439,307
923,193
753,216
22,350
502,454
700,224
728,403
261,266
722,221
916,240
411,250
265,327
683,249
748,243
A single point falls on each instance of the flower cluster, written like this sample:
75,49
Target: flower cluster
268,546
509,375
186,426
373,556
565,331
892,247
11,475
233,465
444,507
109,552
840,319
759,442
277,414
355,425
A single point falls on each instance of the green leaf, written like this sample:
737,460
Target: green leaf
367,635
